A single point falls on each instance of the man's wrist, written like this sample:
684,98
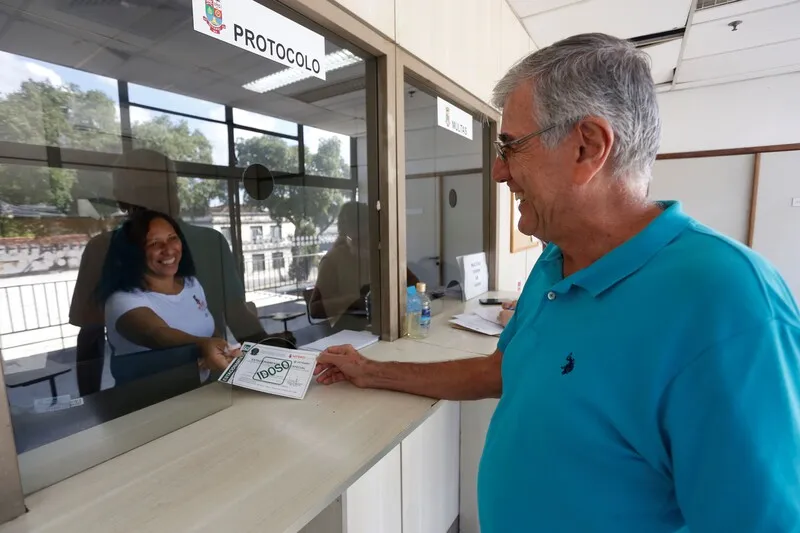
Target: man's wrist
373,372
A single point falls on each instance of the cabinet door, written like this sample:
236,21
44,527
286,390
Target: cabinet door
372,504
430,470
475,418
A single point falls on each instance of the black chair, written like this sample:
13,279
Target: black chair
307,293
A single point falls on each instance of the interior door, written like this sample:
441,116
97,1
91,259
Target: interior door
462,220
423,223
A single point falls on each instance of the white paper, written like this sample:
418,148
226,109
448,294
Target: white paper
359,340
272,370
475,323
490,313
474,275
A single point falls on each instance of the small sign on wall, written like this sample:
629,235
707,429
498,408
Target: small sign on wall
454,119
250,26
795,202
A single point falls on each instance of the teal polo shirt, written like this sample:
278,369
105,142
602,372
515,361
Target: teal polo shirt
656,391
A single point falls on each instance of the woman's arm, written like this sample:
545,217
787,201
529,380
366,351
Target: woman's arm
143,327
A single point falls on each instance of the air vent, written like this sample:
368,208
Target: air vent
708,4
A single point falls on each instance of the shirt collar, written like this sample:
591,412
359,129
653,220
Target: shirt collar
627,258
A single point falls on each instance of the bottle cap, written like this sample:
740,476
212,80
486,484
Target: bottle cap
421,286
411,290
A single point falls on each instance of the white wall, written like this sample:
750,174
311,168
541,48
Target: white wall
776,221
472,42
714,190
750,113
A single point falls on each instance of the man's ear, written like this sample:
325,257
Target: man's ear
595,141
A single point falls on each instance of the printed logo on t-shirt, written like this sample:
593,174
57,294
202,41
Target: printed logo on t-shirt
201,304
569,367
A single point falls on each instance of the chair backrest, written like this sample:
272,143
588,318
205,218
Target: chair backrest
307,292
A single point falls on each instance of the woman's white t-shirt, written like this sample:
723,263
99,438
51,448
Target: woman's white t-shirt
186,311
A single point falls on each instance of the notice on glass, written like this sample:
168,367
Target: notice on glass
272,370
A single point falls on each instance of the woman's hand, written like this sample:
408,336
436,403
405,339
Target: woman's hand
216,354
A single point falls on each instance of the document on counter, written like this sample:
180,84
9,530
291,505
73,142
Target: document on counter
272,370
491,313
359,340
473,322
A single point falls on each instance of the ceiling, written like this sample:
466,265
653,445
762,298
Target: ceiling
152,43
693,47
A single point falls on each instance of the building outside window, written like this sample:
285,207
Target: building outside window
259,263
275,233
256,233
278,262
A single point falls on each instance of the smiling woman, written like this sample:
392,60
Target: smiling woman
151,296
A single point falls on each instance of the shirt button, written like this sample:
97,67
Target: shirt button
551,295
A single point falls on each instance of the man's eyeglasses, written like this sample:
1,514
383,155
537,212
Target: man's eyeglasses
501,146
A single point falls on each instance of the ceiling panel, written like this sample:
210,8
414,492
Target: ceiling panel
736,8
108,39
526,8
757,29
622,18
664,59
753,61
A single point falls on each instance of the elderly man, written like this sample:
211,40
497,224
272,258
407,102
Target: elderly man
649,380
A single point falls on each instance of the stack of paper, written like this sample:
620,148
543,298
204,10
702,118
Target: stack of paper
359,340
474,322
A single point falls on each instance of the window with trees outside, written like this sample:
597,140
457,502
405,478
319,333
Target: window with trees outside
99,132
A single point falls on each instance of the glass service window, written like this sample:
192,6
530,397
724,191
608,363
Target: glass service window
444,192
90,140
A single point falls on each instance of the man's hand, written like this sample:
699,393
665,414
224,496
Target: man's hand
342,363
507,312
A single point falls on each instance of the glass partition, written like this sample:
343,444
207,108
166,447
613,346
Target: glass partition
132,237
444,194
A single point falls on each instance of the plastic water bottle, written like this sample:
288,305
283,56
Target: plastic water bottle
413,312
425,311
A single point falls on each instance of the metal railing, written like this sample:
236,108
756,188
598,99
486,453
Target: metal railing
34,318
282,275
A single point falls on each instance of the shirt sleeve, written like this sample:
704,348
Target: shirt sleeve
121,302
732,426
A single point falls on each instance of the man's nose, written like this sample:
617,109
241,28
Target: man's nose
500,172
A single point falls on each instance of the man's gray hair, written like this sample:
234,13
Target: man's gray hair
593,75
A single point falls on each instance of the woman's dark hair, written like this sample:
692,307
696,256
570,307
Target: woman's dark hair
125,263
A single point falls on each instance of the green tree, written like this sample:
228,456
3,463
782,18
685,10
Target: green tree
294,203
310,209
40,113
328,160
178,142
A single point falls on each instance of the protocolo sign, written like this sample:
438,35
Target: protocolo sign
454,119
252,27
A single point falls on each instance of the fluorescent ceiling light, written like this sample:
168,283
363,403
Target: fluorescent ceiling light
331,62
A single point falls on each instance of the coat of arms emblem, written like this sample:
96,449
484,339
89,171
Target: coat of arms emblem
214,16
